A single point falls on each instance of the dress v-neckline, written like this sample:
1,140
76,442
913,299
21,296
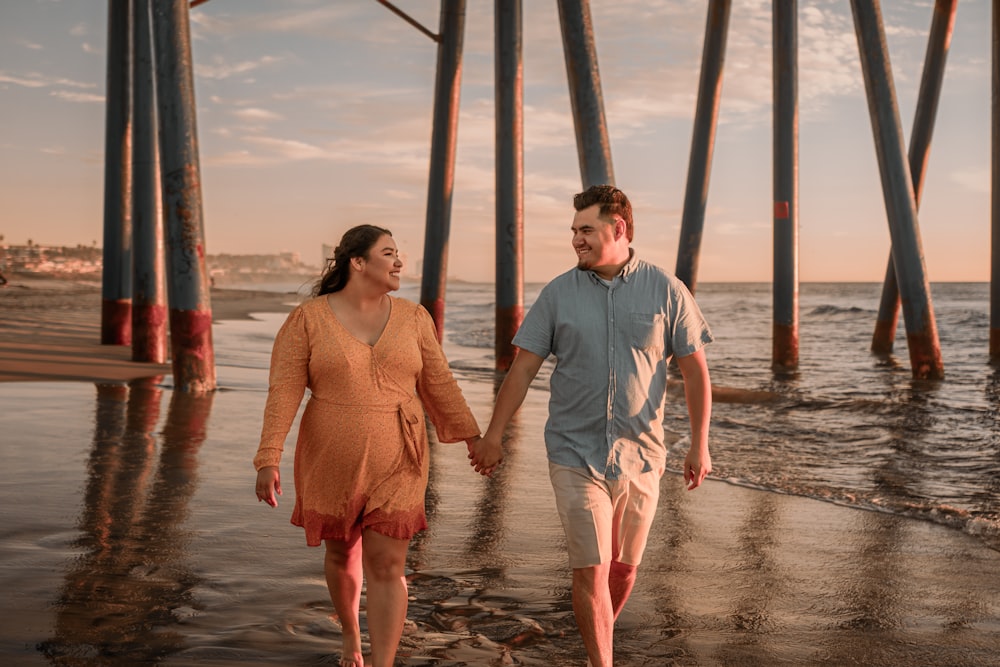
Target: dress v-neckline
381,334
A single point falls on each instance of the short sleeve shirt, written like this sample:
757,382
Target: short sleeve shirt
612,344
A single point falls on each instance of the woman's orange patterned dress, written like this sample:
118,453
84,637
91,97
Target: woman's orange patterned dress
361,457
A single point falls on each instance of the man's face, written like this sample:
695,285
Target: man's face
594,239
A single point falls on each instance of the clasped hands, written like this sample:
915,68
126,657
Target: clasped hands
485,453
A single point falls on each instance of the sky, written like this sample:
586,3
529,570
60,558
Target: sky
315,115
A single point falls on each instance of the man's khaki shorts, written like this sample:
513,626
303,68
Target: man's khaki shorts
604,520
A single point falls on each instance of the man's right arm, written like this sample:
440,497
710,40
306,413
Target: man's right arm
488,452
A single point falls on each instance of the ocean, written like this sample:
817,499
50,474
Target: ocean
849,426
132,535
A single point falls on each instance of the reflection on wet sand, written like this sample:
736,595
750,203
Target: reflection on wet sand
760,585
173,563
131,583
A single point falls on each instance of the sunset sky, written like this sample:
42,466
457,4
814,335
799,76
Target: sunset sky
315,115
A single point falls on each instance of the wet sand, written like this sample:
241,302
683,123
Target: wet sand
198,574
50,330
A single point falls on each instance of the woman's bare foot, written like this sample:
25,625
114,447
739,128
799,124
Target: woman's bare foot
352,660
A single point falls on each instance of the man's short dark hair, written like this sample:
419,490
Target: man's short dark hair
612,202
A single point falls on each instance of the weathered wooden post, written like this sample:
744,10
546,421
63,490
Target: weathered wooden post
116,276
509,179
149,307
580,50
703,141
187,277
897,189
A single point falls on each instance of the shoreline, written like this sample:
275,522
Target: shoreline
50,330
733,574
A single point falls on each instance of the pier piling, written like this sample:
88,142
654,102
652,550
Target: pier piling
188,294
116,277
703,141
580,50
897,189
149,308
785,337
939,39
441,183
509,180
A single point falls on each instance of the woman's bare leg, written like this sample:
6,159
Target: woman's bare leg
343,577
385,570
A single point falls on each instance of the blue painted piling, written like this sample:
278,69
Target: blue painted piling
703,141
116,277
939,39
509,179
785,325
897,189
580,50
149,304
995,190
187,277
442,163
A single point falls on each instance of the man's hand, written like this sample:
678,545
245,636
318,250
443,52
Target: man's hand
697,465
268,484
486,454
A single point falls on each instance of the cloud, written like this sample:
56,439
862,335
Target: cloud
254,114
79,30
72,96
220,69
30,45
974,180
36,80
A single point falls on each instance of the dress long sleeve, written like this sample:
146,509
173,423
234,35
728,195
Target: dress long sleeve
287,382
438,390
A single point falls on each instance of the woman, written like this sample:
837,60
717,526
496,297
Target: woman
373,365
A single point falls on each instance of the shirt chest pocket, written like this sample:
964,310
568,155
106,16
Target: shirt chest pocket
648,330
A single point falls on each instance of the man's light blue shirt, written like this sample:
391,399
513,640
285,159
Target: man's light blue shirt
612,345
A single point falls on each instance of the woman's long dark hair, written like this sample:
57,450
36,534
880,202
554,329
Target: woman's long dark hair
356,242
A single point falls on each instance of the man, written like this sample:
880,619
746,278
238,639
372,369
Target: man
612,324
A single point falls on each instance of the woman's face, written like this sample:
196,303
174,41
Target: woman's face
382,265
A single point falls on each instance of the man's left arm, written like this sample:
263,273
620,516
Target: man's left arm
698,394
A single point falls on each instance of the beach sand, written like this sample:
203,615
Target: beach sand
732,575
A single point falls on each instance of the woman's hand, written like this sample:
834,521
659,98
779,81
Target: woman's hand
486,454
268,484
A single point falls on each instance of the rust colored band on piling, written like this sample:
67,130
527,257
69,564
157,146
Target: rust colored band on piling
508,319
191,346
116,321
149,328
436,308
785,352
925,354
885,331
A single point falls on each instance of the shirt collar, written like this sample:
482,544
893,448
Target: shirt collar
625,274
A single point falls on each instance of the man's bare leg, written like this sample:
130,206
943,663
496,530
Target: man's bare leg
594,612
621,579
